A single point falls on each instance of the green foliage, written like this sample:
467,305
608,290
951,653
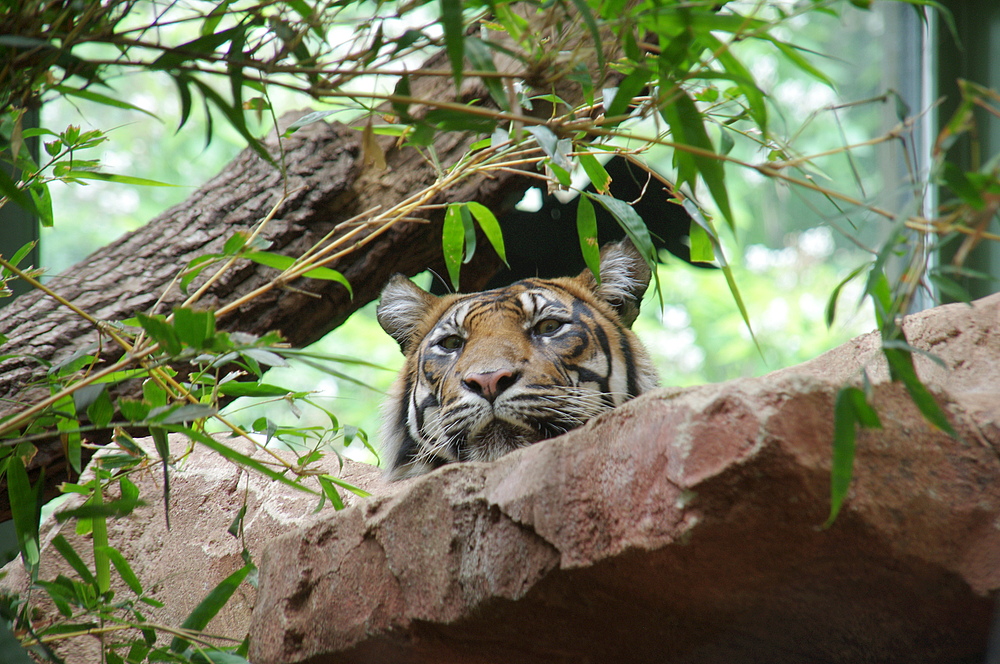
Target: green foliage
586,229
170,403
209,607
670,85
850,410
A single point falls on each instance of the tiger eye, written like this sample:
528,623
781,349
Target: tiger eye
548,326
451,342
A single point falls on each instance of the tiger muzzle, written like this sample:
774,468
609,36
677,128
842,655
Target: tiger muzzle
490,384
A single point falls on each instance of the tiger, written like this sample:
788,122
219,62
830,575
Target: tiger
489,372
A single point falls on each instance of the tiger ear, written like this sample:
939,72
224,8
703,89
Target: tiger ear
401,308
624,279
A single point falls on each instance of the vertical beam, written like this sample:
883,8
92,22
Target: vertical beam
17,225
976,58
910,59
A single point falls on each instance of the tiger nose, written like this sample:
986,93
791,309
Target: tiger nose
490,384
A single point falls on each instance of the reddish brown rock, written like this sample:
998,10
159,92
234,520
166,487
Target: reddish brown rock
683,527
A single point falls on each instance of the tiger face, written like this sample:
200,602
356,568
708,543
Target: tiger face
489,372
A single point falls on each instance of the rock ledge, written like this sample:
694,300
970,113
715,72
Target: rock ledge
682,527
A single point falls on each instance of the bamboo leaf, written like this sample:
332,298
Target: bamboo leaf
687,127
99,535
851,409
237,525
627,90
123,569
9,188
69,430
84,397
281,262
372,154
195,49
161,331
864,413
98,98
188,412
264,356
447,119
701,244
481,58
881,293
234,72
740,75
357,491
949,287
195,328
598,175
182,82
726,142
237,457
21,253
42,199
454,37
70,555
636,230
217,657
307,119
235,117
24,510
452,239
901,344
842,468
82,174
470,233
831,304
631,223
547,140
59,596
793,55
595,34
211,22
101,410
734,290
698,218
152,393
555,149
401,108
241,389
207,609
129,491
133,410
491,227
233,245
162,444
901,368
586,229
270,259
330,491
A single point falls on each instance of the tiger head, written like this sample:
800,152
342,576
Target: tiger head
489,372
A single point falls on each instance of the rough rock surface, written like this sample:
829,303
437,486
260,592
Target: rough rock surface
181,565
682,527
